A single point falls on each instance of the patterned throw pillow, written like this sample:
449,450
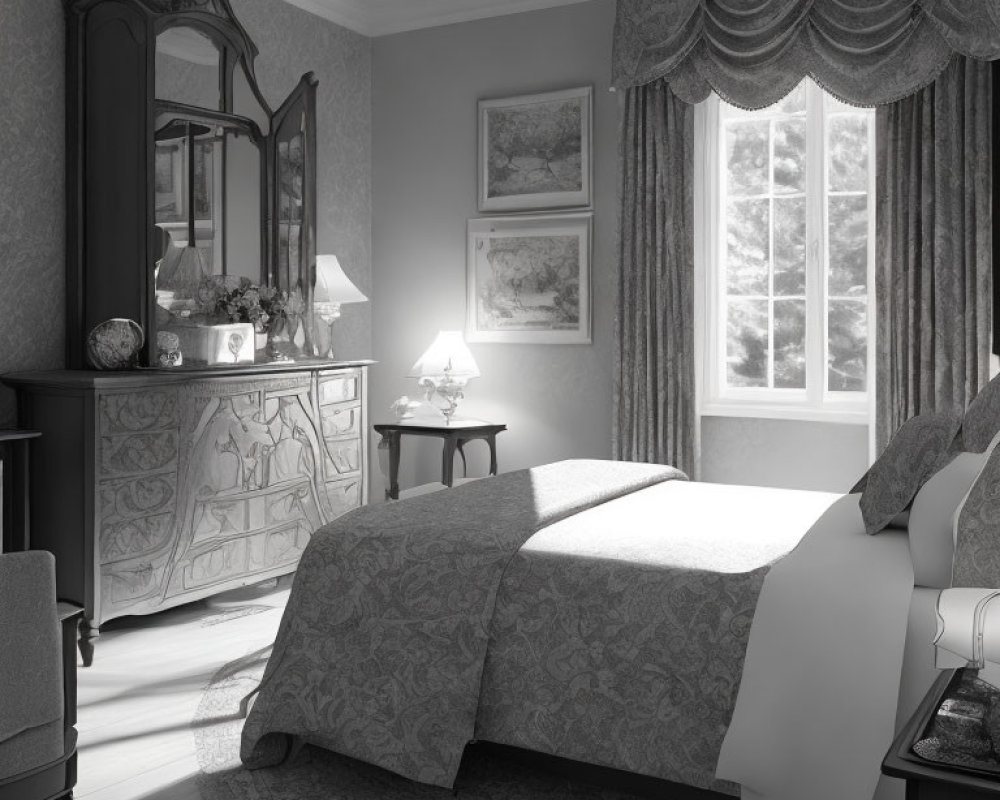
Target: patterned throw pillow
977,530
923,445
931,526
982,419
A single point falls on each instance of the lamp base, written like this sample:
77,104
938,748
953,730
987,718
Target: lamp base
450,390
329,313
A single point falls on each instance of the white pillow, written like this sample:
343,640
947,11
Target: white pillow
931,525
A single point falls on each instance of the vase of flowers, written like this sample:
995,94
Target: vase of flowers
225,298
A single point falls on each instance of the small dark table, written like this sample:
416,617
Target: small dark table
455,436
16,521
926,780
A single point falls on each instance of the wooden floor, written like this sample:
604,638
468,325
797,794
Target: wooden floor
137,701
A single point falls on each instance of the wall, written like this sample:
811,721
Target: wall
32,225
824,456
555,399
32,163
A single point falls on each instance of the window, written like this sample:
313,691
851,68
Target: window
786,243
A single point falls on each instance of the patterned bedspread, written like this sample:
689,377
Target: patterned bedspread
619,633
381,648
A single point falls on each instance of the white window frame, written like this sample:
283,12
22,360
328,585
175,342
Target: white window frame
814,402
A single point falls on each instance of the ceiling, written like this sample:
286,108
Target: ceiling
381,17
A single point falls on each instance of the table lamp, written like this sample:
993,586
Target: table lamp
333,288
445,367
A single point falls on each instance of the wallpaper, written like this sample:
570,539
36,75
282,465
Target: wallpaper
32,164
32,227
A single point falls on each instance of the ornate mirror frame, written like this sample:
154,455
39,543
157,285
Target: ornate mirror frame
111,113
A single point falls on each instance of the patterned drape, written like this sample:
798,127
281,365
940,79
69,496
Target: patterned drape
933,279
654,412
753,52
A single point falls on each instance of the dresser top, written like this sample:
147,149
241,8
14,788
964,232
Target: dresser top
93,379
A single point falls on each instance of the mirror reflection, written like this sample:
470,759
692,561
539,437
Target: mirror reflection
188,68
208,192
290,174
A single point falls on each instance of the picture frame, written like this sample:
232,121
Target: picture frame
528,279
535,151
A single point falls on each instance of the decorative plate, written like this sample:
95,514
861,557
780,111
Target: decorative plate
115,344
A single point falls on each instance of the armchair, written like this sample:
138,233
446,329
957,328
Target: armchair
37,681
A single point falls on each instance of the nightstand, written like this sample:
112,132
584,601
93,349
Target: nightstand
927,780
455,436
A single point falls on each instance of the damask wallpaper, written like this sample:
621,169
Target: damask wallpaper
32,151
32,164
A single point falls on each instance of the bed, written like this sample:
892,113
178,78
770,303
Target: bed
723,637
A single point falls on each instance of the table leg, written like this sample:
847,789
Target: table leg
88,634
392,441
448,462
492,441
465,467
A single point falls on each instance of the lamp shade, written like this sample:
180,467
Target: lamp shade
447,355
332,285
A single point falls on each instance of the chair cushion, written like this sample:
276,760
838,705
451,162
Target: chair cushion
32,748
31,682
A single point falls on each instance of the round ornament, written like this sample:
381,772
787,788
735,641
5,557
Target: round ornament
115,344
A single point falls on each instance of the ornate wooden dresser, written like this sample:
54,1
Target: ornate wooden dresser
155,488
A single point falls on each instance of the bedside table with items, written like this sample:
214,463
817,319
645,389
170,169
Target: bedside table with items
945,751
455,436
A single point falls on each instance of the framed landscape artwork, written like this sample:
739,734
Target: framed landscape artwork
529,279
534,151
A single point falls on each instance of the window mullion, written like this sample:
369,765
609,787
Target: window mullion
815,249
770,255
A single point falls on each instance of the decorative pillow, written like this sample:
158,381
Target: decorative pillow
982,418
919,449
977,530
932,519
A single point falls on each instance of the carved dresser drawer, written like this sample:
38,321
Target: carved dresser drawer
172,486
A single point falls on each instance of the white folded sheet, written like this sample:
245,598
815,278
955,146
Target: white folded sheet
817,704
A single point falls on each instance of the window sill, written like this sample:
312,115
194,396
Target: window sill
845,416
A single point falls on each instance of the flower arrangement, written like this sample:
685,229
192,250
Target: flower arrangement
231,299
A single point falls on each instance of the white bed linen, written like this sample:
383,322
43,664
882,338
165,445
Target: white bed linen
817,705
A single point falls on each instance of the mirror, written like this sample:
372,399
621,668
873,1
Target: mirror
208,195
290,169
188,68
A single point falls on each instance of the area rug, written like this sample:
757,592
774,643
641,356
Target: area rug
317,774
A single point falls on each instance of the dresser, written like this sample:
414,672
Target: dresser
155,487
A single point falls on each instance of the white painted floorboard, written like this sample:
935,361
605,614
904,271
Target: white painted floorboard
138,699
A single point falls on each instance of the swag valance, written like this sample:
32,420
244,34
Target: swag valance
753,52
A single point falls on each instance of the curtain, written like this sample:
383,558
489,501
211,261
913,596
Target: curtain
933,279
654,362
753,52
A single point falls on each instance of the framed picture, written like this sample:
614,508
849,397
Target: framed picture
529,279
534,151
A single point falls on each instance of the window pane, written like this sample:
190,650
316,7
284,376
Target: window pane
789,156
746,343
848,153
848,217
790,245
848,341
790,344
747,246
746,157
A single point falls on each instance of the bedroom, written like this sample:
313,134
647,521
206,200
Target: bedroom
396,185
